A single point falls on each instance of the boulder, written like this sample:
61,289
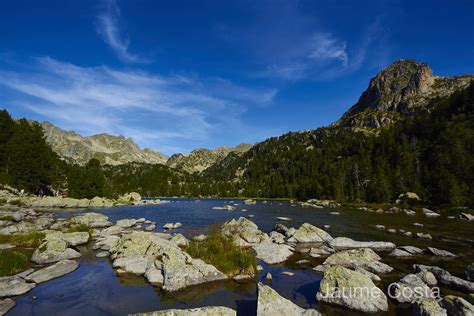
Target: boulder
411,249
427,277
181,270
321,251
342,243
445,278
430,213
277,238
409,289
428,308
130,197
54,247
94,220
150,228
56,270
250,202
18,228
14,285
153,273
126,223
270,303
180,240
200,311
351,289
364,258
272,253
440,252
308,233
6,305
457,306
77,238
243,231
466,216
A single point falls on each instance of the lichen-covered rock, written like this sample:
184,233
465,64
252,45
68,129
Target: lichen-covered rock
180,240
6,305
272,253
56,270
243,231
445,278
18,228
200,311
181,270
342,243
94,220
126,223
77,238
457,306
270,303
55,247
14,285
364,258
409,289
153,274
351,289
428,308
307,233
277,238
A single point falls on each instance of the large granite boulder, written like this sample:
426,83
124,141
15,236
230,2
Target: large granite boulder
14,285
55,247
307,233
181,270
200,311
343,243
56,270
364,258
272,253
410,289
244,232
270,303
95,220
351,289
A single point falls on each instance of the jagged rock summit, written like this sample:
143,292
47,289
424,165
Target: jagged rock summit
108,149
400,89
201,159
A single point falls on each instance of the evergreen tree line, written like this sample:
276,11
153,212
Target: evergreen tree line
430,153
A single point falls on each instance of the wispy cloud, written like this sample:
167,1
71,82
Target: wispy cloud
326,47
157,111
109,29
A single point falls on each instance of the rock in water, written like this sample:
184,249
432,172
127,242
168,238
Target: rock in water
55,247
6,305
445,278
364,258
351,289
309,233
201,311
409,289
428,308
272,253
13,285
95,220
56,270
440,252
470,272
270,303
341,243
180,270
457,306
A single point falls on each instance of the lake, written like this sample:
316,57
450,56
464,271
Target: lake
95,289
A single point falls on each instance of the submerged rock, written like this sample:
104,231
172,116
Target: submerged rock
14,285
364,258
351,289
307,233
54,271
270,303
341,243
200,311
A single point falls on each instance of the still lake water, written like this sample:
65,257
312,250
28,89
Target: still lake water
94,288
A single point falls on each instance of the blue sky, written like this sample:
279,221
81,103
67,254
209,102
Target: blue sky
178,75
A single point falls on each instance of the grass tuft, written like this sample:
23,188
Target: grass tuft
30,239
13,261
221,252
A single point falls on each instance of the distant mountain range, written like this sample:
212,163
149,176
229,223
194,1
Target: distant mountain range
399,90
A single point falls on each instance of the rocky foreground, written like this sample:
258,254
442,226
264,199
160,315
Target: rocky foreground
134,247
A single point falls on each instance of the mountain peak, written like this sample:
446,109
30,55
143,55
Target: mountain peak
399,89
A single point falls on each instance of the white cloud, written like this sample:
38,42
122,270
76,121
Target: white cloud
326,47
157,111
108,28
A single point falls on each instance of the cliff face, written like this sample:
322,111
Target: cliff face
200,159
399,89
108,149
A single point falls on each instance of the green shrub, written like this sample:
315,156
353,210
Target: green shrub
79,228
221,252
14,261
30,239
17,203
7,218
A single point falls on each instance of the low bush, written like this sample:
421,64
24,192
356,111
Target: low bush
221,252
14,261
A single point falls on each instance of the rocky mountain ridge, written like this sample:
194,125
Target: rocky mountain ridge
201,159
400,89
108,149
